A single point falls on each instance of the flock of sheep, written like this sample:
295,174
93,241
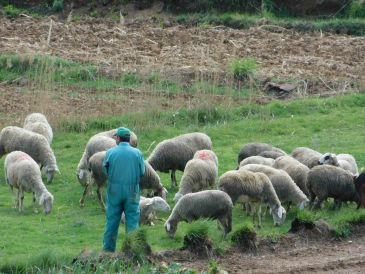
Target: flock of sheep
265,175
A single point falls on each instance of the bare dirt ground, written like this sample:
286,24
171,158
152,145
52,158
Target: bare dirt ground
316,62
292,254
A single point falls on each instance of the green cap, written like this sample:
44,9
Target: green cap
123,132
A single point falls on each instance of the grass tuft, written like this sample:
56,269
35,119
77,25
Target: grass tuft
245,237
243,68
136,246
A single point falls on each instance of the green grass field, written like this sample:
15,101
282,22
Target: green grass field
335,124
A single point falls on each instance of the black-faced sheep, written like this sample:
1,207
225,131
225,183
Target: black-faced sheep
283,184
200,173
35,145
173,154
296,170
345,161
38,123
326,181
253,149
306,156
244,186
23,173
209,204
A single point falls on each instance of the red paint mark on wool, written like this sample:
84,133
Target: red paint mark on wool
24,157
203,155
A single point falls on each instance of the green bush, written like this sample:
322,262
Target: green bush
57,5
356,10
11,11
243,68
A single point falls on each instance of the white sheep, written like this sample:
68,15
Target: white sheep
345,161
110,133
296,170
173,154
148,208
283,184
306,156
95,144
244,186
150,180
38,123
210,204
326,181
200,173
16,138
257,160
253,149
23,173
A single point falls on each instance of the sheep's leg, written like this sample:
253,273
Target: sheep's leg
312,198
318,204
259,215
82,199
15,198
173,178
100,198
34,204
21,199
288,207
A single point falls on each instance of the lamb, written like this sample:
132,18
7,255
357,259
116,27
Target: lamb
306,156
200,173
253,149
345,161
173,154
245,186
23,173
283,184
148,208
330,181
360,189
35,145
296,170
211,204
150,180
257,160
110,133
38,123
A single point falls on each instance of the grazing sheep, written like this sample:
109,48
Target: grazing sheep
150,180
245,186
173,154
283,184
296,170
345,161
34,144
271,154
257,160
253,149
211,204
306,156
200,173
23,173
148,208
326,181
38,123
110,133
95,144
360,189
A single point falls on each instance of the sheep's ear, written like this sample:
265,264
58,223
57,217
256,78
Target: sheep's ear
41,199
280,212
150,202
168,227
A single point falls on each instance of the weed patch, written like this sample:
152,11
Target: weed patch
245,238
196,240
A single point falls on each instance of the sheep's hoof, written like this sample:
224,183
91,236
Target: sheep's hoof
82,204
152,224
35,211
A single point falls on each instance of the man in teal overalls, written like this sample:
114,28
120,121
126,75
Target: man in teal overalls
124,166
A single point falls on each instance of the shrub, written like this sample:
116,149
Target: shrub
11,11
356,9
57,5
243,68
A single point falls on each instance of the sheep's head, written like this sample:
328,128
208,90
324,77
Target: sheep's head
51,171
177,197
328,159
170,228
279,215
82,176
46,200
162,193
160,204
303,203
